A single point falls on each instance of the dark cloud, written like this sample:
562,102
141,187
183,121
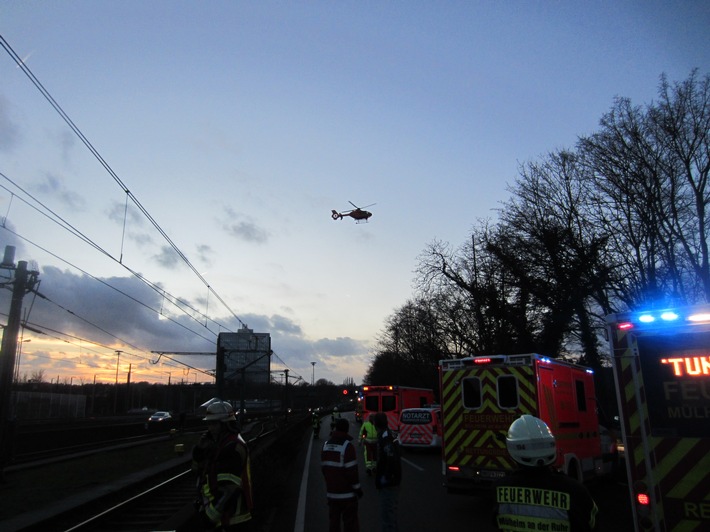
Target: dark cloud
119,213
124,313
53,185
168,258
243,228
130,218
343,346
113,310
205,253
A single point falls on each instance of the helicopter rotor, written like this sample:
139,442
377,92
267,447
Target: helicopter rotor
361,208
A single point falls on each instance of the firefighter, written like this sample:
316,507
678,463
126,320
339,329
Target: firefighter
368,437
333,417
342,480
535,496
221,459
315,420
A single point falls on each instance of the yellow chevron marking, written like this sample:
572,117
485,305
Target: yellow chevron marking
696,476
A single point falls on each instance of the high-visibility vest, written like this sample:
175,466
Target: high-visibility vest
368,432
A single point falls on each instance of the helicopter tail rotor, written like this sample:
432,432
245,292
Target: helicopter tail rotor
336,215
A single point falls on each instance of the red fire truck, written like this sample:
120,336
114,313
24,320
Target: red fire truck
481,397
392,400
662,371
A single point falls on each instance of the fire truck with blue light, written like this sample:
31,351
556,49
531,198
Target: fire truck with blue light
482,395
661,363
392,399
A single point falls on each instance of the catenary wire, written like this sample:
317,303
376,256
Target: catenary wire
45,93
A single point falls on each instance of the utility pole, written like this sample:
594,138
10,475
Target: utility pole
128,388
115,386
24,281
286,409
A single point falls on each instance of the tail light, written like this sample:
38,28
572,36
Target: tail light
643,505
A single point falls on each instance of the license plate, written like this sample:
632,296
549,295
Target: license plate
491,474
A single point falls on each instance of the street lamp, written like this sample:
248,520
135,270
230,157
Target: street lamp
313,375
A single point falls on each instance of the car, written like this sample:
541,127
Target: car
611,453
162,418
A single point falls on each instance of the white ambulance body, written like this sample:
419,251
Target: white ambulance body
420,427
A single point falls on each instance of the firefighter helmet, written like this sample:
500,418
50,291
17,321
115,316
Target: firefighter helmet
219,411
530,441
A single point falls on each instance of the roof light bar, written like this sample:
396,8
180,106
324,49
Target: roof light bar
662,317
698,318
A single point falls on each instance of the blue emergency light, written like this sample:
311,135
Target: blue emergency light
663,317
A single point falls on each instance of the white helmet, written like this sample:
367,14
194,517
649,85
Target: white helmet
530,441
219,411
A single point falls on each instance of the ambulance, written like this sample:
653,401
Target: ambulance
481,396
392,399
661,363
420,428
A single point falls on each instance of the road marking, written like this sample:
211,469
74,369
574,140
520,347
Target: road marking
301,511
415,466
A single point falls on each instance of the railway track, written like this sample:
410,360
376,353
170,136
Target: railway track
59,453
164,500
165,506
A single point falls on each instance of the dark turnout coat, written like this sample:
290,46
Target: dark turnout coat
538,498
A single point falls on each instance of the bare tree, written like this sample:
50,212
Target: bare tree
483,308
618,223
37,375
554,255
650,170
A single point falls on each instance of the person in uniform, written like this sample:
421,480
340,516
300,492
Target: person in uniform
315,421
368,436
221,459
535,496
342,483
335,415
388,473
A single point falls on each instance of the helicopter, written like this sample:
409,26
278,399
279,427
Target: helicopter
358,213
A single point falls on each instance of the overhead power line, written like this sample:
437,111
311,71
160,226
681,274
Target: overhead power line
45,93
55,105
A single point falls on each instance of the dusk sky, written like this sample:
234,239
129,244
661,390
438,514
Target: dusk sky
237,126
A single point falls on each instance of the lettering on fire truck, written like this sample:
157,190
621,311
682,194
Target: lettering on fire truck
661,362
689,365
488,421
696,510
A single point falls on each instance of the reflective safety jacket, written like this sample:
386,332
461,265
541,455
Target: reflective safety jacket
225,482
538,498
339,466
368,432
